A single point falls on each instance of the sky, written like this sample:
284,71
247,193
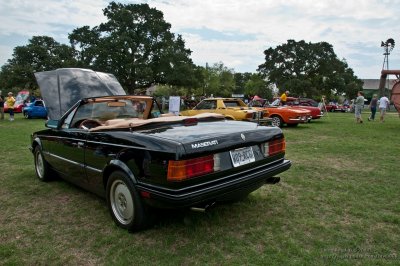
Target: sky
233,32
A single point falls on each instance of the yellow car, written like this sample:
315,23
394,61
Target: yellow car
231,108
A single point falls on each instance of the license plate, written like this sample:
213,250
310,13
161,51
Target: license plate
242,156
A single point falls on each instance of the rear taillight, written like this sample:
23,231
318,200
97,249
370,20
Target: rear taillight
185,169
249,115
273,147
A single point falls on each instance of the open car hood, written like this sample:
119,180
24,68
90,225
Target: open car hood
62,88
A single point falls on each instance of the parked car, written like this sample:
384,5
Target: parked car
36,108
231,108
20,100
308,104
281,115
121,147
332,107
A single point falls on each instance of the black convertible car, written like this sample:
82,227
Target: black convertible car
123,148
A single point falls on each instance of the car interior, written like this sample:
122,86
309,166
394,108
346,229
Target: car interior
97,112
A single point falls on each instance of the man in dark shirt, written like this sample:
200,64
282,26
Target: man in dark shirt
372,106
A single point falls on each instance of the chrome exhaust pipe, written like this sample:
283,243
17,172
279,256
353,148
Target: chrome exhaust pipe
198,209
203,209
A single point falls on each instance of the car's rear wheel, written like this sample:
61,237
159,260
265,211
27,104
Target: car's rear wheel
125,204
276,121
42,168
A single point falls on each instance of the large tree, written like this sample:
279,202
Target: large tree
136,45
256,85
309,69
219,80
40,54
240,81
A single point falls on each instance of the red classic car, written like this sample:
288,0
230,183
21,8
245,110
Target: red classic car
308,104
332,107
19,102
281,115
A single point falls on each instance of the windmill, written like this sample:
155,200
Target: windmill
395,95
387,49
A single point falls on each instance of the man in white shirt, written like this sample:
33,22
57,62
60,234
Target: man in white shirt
383,105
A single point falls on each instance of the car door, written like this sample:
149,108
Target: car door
39,109
67,150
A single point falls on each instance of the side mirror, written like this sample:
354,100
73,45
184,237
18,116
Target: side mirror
52,123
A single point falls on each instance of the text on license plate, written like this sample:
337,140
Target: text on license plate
242,156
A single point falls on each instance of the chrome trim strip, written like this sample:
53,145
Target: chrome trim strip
66,160
105,143
94,169
258,120
76,163
298,119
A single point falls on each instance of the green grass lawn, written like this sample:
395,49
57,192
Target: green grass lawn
338,204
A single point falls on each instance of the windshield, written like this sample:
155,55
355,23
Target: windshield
233,103
21,97
276,102
103,109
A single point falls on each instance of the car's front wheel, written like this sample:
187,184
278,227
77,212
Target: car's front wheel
125,204
26,115
276,121
42,168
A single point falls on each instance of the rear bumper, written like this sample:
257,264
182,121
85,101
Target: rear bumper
298,120
223,189
260,121
318,116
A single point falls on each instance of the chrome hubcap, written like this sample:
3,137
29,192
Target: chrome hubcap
121,202
276,122
39,165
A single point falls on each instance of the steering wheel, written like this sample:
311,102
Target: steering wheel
89,123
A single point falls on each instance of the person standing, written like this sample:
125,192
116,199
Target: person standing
10,104
383,105
284,97
358,105
2,107
372,107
